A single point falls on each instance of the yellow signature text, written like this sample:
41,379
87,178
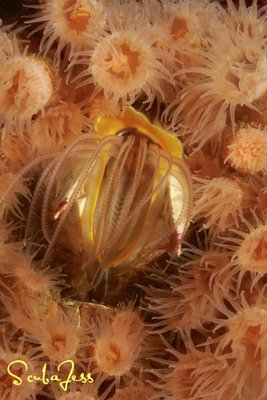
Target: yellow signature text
69,376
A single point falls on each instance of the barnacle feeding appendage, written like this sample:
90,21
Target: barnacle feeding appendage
125,187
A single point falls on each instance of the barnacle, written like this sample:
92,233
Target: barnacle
128,187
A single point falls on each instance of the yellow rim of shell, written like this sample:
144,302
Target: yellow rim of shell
130,118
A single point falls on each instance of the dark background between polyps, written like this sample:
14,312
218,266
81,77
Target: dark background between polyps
10,10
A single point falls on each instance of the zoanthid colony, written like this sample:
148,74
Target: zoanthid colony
133,200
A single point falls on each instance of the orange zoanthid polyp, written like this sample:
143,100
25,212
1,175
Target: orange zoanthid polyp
118,347
219,201
246,331
26,87
181,28
252,252
244,342
57,335
70,24
15,368
247,150
31,279
249,257
57,126
11,201
125,65
199,375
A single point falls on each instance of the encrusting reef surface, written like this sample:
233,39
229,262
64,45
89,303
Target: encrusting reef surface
133,200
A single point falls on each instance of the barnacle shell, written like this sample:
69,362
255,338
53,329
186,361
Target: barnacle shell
125,192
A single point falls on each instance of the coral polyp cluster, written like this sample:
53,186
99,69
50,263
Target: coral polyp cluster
133,200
